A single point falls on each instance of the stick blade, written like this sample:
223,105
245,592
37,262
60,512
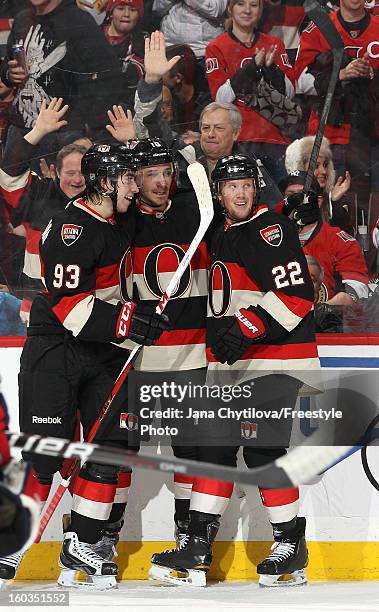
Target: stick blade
199,179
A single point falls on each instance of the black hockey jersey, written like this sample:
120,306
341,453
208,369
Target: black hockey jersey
160,241
259,262
85,260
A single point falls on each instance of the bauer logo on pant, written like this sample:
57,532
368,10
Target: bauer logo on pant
128,421
70,233
249,430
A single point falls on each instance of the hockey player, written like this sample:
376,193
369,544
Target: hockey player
19,513
71,357
260,322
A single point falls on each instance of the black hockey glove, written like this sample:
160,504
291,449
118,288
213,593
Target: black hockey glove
304,206
140,324
233,341
245,79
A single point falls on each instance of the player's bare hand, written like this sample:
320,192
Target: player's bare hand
47,171
16,75
122,126
341,187
156,63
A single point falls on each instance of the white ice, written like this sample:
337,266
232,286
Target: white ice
141,596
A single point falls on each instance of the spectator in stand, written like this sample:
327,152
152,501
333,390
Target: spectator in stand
335,209
252,70
191,22
9,8
283,18
66,55
96,8
34,201
340,255
123,33
219,124
10,322
353,125
328,318
189,88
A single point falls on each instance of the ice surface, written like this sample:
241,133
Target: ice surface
141,596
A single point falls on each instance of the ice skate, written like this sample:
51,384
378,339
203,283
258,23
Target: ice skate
286,564
188,564
181,533
9,567
79,556
106,547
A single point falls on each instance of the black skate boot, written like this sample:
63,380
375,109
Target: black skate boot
188,564
79,556
9,567
289,557
181,533
106,547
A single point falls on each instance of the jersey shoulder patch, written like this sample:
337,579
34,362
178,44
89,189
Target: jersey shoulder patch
272,234
70,233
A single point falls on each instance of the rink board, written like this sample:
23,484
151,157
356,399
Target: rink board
342,509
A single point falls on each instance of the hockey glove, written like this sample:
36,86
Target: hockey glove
140,324
4,446
245,79
233,341
304,206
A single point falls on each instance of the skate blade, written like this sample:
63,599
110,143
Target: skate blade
167,575
69,579
3,583
283,580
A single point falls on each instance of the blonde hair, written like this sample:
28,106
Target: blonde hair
298,154
229,20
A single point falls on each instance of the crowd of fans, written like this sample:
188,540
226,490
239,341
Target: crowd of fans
211,78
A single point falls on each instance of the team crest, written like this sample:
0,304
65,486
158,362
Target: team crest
285,59
249,430
128,421
70,233
272,234
323,294
211,64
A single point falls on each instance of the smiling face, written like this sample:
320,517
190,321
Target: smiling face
126,190
217,135
321,171
71,179
124,19
154,183
246,14
237,197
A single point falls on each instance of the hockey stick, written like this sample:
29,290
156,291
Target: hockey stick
320,17
319,452
200,182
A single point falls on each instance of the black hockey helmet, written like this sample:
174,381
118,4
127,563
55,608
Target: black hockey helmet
109,161
234,167
153,152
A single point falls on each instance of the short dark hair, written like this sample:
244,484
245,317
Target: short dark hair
187,63
67,150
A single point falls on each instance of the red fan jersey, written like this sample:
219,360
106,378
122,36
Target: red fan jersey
340,255
224,57
312,43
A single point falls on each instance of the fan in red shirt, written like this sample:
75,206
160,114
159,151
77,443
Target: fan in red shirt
245,66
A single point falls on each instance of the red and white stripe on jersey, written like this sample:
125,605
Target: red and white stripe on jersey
86,492
211,496
283,20
282,505
13,187
32,263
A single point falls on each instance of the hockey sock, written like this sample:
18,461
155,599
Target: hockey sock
92,502
38,487
182,510
282,505
210,496
121,497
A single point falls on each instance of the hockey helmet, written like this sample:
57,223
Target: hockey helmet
109,161
153,152
234,167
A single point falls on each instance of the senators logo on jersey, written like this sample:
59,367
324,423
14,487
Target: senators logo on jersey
70,233
272,234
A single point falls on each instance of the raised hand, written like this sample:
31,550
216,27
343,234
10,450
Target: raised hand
341,187
122,127
49,120
47,171
156,63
